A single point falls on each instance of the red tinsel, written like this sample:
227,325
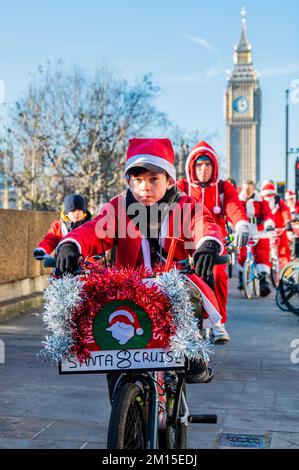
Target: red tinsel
102,285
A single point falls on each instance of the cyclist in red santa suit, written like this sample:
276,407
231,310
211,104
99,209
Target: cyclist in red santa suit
260,219
221,198
291,202
282,218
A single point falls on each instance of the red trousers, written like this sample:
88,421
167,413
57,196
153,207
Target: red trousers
261,253
284,251
221,289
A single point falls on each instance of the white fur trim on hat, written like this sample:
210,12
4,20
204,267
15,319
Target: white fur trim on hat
268,192
289,195
153,160
123,313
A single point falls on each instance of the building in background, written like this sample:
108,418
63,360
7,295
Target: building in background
243,114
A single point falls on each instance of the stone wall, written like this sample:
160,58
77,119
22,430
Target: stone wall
20,232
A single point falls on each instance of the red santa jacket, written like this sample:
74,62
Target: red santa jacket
220,197
280,211
189,222
258,211
297,208
58,230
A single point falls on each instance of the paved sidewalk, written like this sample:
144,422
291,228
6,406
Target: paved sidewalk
255,391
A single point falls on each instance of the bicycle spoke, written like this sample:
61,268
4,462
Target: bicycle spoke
134,431
291,294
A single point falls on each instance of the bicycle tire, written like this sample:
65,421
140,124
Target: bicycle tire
127,424
248,281
289,287
173,436
256,283
275,273
279,301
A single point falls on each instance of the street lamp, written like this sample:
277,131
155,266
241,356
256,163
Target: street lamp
287,137
288,151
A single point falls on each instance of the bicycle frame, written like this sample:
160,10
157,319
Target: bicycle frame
250,259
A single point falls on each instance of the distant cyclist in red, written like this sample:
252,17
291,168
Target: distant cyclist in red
260,219
282,218
221,198
291,202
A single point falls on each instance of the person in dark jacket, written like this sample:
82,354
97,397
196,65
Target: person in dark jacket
73,215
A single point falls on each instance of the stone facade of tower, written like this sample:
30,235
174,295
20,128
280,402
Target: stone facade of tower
243,114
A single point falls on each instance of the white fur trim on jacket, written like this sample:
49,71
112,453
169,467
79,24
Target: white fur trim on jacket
40,248
146,254
269,224
69,240
214,315
203,239
64,229
242,223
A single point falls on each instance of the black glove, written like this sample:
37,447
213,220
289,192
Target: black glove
68,258
39,253
242,237
204,258
289,227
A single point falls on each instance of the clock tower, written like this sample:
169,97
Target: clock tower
243,114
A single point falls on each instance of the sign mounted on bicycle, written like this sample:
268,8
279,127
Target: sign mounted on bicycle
130,341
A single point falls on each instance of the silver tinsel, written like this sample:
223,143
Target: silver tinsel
187,339
61,297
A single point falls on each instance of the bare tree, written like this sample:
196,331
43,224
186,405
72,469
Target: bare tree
70,131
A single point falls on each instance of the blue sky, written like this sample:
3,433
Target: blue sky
187,46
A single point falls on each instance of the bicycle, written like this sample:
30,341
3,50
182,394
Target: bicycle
288,290
275,263
149,408
251,282
164,422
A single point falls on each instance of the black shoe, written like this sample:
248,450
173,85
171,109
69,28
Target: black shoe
264,285
240,285
199,373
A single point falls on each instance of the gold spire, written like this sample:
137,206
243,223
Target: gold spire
243,49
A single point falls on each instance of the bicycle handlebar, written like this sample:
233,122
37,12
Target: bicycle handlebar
50,261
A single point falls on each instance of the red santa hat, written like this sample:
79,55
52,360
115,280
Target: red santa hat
290,195
152,154
268,188
126,315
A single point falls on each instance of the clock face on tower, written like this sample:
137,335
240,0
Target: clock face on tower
241,105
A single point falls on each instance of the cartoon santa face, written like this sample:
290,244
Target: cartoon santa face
124,324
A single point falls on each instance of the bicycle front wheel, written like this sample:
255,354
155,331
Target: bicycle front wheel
289,287
279,301
127,425
248,281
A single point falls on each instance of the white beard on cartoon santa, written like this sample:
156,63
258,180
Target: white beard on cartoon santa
121,332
